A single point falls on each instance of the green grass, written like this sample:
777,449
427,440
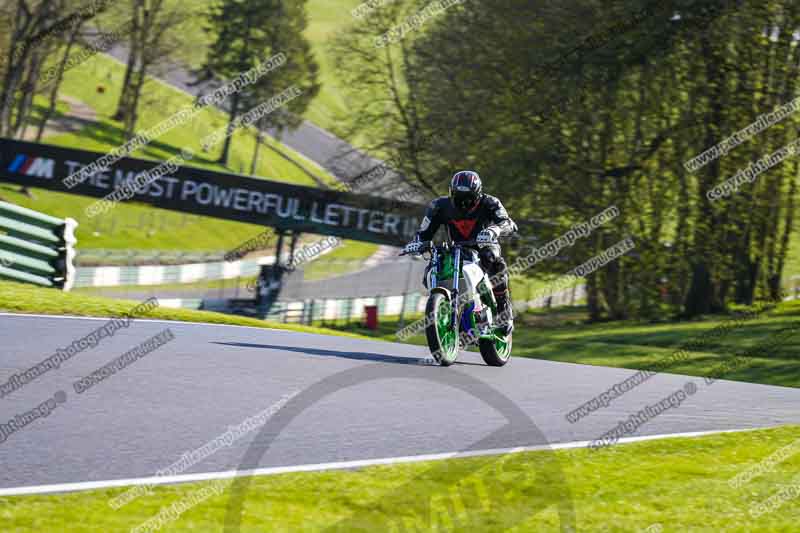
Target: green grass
121,228
40,105
159,101
638,346
352,250
562,335
138,226
325,18
682,484
22,298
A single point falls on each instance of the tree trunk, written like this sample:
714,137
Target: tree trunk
124,103
701,296
25,104
698,299
592,298
254,162
223,159
138,80
774,281
48,114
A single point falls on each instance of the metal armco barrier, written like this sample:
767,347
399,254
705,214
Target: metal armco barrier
36,248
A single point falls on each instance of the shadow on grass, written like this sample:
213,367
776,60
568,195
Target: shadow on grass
112,135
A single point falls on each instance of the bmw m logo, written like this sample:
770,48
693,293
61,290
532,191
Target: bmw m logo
38,167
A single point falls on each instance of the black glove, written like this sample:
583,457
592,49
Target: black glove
414,247
487,237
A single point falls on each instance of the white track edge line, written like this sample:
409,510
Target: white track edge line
134,319
271,471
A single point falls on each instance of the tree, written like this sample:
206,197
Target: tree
34,29
247,33
155,36
36,32
567,109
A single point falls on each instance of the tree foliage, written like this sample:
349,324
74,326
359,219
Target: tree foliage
247,33
568,108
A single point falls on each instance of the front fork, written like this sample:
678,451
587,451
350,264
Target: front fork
482,288
455,301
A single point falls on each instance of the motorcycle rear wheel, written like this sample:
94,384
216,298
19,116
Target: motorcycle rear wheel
496,350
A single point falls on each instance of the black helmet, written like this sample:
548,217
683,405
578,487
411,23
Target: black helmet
465,190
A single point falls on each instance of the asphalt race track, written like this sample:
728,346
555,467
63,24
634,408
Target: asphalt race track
388,403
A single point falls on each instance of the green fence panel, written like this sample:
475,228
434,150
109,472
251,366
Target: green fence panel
36,248
13,244
22,230
29,216
29,264
26,277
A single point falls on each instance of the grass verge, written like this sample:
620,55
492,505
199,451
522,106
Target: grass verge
561,335
643,347
28,299
681,484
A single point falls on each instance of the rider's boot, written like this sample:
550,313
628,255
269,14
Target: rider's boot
505,313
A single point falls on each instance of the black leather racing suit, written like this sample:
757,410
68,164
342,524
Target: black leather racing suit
488,214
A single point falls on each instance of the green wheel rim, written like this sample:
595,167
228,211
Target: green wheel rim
444,328
502,346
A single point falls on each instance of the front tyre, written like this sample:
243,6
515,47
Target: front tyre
442,337
496,350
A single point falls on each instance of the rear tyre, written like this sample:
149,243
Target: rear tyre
496,351
442,338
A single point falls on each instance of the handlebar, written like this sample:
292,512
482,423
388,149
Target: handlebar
429,244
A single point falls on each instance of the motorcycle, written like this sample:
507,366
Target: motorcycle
455,319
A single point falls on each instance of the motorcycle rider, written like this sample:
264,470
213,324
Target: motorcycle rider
470,214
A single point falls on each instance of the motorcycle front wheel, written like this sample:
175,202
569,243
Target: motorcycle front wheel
442,337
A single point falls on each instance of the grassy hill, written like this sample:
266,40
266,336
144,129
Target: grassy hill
325,18
138,226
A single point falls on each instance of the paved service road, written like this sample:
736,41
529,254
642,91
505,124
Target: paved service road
189,391
390,278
